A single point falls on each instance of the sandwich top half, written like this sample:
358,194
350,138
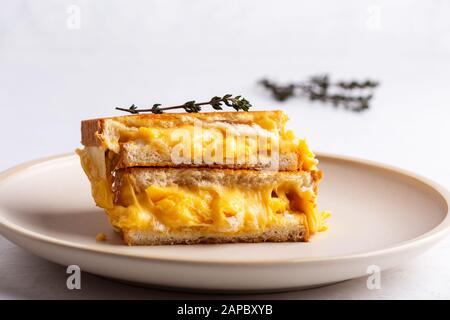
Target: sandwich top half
202,177
244,140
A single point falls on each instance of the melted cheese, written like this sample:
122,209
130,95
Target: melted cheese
95,166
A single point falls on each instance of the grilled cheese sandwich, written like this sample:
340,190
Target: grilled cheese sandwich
153,200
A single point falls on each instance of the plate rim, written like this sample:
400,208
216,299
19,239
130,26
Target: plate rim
430,236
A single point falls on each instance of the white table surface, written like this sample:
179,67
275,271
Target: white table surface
52,76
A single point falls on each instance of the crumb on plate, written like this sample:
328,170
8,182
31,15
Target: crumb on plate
100,237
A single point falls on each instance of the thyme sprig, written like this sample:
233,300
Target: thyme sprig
237,103
347,94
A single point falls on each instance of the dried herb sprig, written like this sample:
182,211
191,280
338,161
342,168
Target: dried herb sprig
319,88
237,103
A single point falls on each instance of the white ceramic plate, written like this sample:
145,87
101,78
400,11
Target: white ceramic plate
381,216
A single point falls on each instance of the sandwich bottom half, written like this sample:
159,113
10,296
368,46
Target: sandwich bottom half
155,206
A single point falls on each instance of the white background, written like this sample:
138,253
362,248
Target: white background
54,74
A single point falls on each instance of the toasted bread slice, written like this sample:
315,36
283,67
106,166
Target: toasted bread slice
239,140
141,178
293,233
